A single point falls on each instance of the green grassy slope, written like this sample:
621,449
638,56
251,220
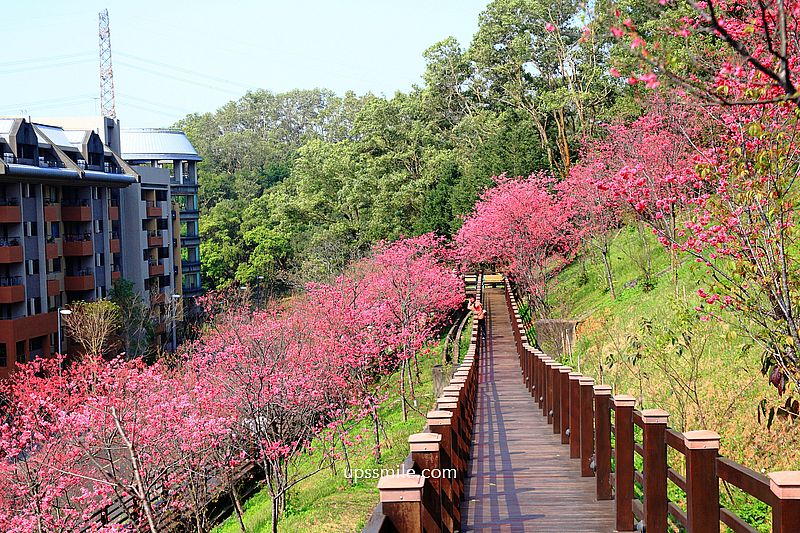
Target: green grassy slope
651,343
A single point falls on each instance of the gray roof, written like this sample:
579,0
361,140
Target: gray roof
57,136
148,144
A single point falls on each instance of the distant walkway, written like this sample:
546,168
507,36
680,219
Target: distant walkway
521,477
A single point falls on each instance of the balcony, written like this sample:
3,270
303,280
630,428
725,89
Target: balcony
156,268
79,245
10,213
10,250
11,290
154,209
155,239
158,298
76,211
53,287
52,211
80,280
116,275
51,248
114,245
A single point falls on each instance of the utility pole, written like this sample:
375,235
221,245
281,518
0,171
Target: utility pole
108,106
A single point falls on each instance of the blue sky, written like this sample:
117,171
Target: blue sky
220,48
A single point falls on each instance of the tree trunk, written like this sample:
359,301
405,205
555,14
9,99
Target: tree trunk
609,275
237,506
376,421
403,390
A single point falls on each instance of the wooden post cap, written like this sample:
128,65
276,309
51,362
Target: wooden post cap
654,416
453,387
623,400
575,376
586,381
446,402
602,390
461,373
701,440
424,442
565,370
401,488
785,485
439,418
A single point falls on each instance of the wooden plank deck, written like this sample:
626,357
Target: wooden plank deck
520,476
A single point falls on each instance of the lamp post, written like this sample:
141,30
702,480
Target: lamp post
64,312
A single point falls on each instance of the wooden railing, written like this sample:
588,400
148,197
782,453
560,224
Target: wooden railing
587,416
411,502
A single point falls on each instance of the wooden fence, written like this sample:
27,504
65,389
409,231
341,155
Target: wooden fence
600,430
411,502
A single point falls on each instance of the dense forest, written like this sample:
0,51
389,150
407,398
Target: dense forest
295,185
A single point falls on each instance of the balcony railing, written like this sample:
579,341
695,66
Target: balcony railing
151,203
114,235
81,272
77,237
75,203
10,281
9,202
9,241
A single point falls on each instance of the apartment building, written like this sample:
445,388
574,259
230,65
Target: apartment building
169,155
59,230
75,216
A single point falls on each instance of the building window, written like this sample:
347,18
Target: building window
32,267
98,226
21,352
36,343
96,193
3,355
28,190
34,306
55,230
99,260
31,229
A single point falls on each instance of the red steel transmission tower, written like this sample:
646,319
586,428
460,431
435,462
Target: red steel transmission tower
108,106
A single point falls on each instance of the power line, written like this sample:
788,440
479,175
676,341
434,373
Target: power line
176,78
44,59
184,70
155,104
29,68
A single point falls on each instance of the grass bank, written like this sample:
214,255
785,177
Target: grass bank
650,342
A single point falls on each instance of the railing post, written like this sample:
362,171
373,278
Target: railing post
564,379
587,426
425,454
401,498
655,469
702,486
602,430
550,372
440,423
574,415
623,461
555,378
786,511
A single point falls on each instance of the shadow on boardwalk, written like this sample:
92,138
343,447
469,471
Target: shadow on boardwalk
520,476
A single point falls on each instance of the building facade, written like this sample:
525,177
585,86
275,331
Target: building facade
75,217
169,153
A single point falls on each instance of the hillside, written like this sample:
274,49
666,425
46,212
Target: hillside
653,345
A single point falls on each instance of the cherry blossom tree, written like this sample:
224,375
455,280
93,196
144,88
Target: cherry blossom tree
521,225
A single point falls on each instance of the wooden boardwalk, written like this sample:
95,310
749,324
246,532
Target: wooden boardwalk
520,476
